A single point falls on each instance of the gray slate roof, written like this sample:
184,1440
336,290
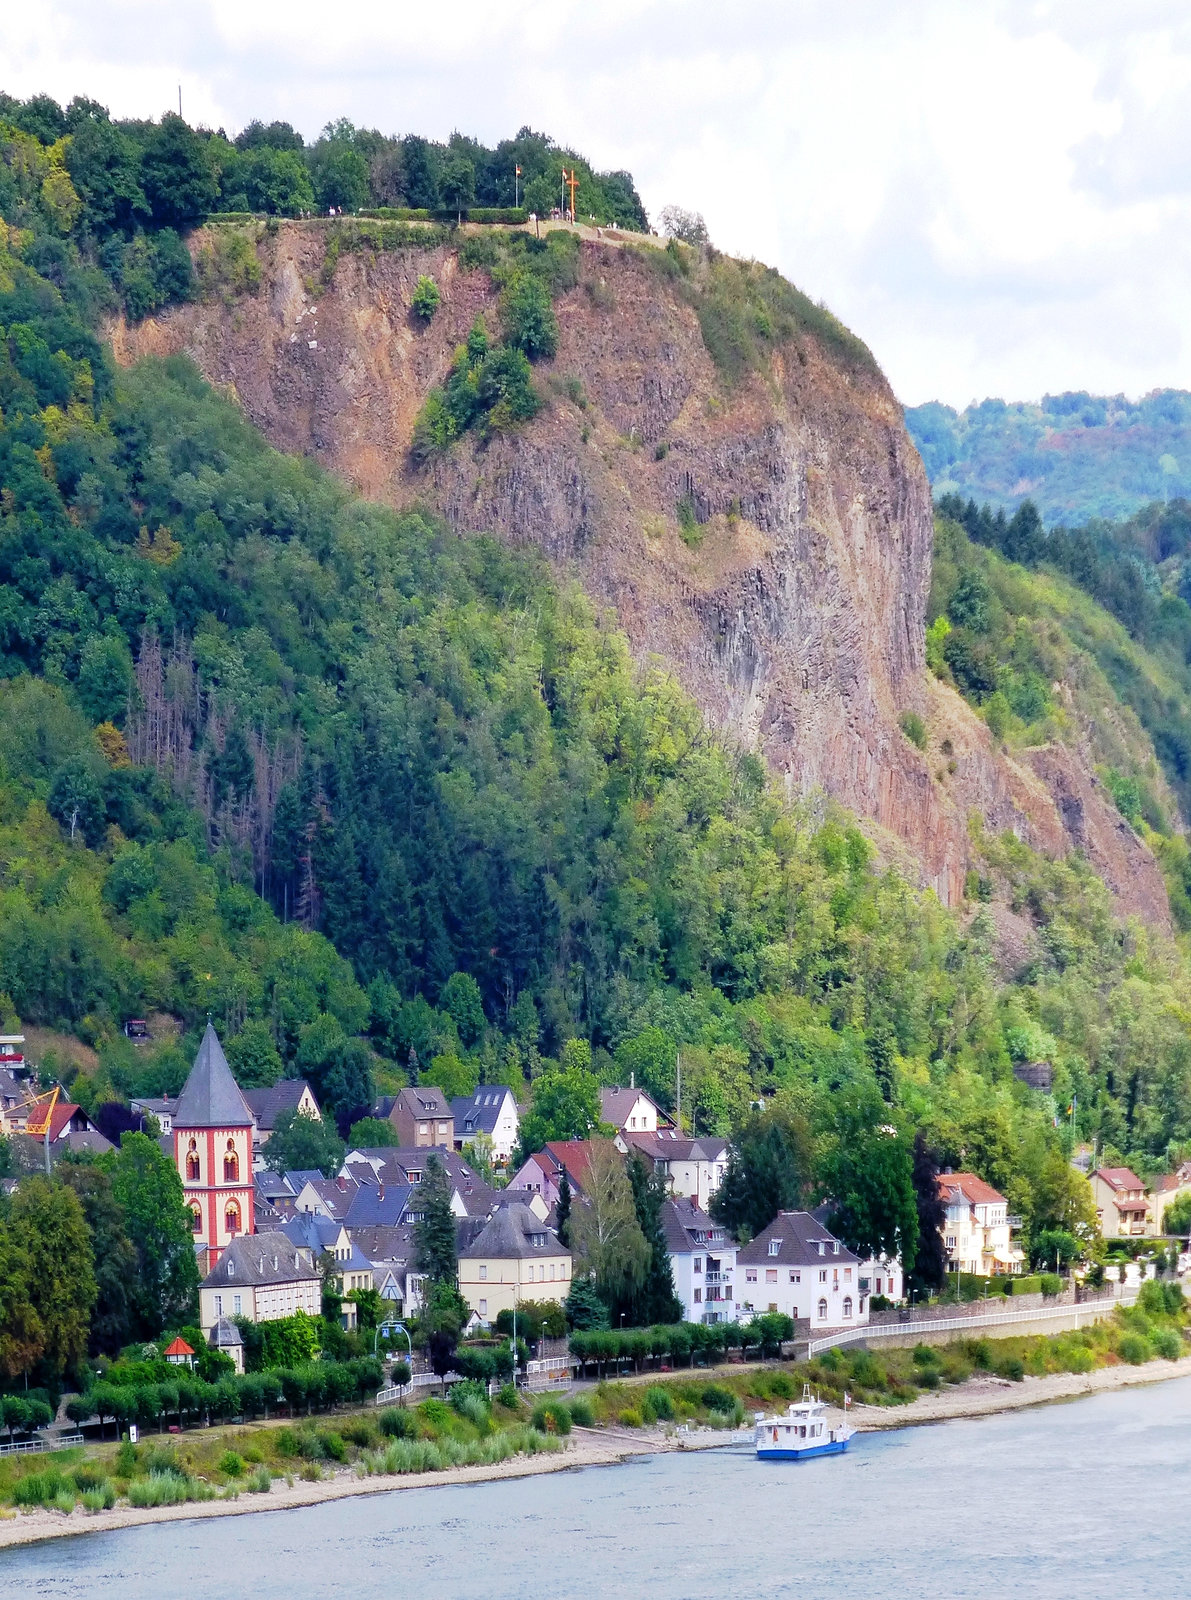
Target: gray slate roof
478,1113
799,1236
256,1259
689,1230
267,1105
225,1335
211,1098
510,1234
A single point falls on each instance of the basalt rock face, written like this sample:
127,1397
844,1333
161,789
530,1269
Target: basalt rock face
793,610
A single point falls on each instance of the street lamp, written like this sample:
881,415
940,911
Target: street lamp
397,1327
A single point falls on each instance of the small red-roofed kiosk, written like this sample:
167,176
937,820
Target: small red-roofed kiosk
179,1353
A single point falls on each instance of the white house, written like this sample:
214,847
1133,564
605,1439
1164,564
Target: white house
878,1274
492,1111
797,1267
632,1111
703,1258
692,1168
977,1231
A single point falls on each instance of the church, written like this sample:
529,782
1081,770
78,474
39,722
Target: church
212,1132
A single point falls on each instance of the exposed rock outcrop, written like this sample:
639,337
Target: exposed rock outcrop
797,617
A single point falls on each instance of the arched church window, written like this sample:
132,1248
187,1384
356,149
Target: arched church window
196,1220
231,1217
231,1164
192,1163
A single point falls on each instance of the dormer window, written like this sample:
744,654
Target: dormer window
231,1268
835,1247
775,1247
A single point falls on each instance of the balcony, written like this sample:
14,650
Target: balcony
717,1277
1015,1223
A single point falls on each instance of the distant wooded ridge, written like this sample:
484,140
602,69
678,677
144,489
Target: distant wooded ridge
1077,456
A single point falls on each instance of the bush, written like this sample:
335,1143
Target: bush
1134,1349
1167,1344
631,1418
334,1447
101,1499
1051,1284
396,1423
230,1464
551,1416
507,1395
925,1356
912,725
260,1482
717,1399
529,321
42,1488
426,299
659,1404
581,1413
1013,1368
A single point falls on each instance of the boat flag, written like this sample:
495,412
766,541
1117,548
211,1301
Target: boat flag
847,1399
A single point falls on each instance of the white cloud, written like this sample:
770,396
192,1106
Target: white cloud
995,196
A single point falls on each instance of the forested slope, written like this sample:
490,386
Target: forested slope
360,786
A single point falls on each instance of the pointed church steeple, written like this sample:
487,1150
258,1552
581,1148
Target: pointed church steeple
211,1098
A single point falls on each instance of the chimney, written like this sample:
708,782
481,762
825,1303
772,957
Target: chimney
341,1181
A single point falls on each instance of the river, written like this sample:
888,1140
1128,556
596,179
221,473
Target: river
1089,1497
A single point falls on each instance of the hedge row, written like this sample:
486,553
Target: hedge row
314,1386
681,1341
510,216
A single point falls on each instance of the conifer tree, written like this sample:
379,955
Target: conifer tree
434,1236
655,1301
928,1271
562,1225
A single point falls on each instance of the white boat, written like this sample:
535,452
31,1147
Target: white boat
802,1432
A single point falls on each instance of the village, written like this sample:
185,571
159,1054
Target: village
279,1247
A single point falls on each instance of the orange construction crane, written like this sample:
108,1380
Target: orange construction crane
41,1117
571,182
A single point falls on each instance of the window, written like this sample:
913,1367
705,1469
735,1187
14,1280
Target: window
775,1247
192,1163
698,1263
951,1241
237,1305
231,1164
771,1275
750,1274
847,1274
822,1274
552,1269
218,1305
231,1217
483,1270
483,1308
835,1247
795,1277
847,1305
698,1296
196,1220
822,1311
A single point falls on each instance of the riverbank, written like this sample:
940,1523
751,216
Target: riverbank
981,1395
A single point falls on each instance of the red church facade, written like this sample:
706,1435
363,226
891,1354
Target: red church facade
212,1129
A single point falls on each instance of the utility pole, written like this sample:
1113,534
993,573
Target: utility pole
179,99
678,1108
516,185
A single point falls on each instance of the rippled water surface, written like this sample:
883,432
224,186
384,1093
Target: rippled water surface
1089,1498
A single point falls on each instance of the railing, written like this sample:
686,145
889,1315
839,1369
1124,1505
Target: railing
963,1324
717,1277
418,1380
25,1447
552,1373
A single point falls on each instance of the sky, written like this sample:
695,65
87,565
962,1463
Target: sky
996,196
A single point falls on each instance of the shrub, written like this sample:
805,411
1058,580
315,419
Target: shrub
581,1413
260,1482
688,522
925,1356
529,321
426,299
927,1378
1134,1349
659,1404
551,1416
631,1418
230,1464
1012,1367
507,1395
1167,1344
912,725
1051,1284
436,1414
42,1488
395,1423
101,1499
718,1399
334,1447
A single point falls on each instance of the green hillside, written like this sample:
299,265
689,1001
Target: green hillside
383,799
1077,456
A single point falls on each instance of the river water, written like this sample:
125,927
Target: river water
1089,1497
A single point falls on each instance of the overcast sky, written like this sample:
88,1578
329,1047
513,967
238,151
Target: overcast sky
996,196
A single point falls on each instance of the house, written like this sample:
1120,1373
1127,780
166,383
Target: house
159,1106
540,1175
386,1168
212,1143
266,1105
703,1259
262,1276
226,1337
422,1117
797,1267
881,1275
1162,1191
514,1258
325,1197
491,1111
178,1353
391,1253
631,1110
692,1168
1122,1205
978,1230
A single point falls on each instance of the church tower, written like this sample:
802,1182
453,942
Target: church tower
213,1151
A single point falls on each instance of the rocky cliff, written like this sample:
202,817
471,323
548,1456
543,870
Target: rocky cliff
792,609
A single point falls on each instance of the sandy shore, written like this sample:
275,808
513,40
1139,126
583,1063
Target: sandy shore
599,1447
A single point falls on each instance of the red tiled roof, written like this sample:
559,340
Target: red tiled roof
574,1155
178,1348
1119,1177
60,1120
973,1189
